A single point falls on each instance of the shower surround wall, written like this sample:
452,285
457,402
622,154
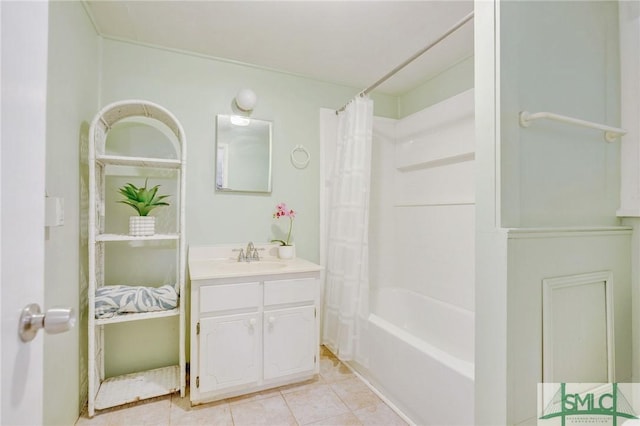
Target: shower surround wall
422,202
421,248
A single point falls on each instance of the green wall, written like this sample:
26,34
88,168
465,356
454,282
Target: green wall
560,57
72,100
195,89
450,82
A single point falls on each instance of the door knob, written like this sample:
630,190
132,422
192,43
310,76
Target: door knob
55,320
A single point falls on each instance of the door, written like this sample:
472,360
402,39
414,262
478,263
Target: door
23,75
229,351
290,341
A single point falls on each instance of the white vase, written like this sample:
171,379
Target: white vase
142,226
287,252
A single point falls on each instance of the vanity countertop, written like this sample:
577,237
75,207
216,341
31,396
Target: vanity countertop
207,269
219,262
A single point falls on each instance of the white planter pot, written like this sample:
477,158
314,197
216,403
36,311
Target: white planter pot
142,226
287,252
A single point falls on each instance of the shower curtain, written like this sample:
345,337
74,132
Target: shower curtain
347,269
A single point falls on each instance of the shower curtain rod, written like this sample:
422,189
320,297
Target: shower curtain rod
390,74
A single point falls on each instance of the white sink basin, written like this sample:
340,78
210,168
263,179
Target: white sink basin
220,262
249,267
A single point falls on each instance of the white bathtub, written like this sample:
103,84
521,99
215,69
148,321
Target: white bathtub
420,356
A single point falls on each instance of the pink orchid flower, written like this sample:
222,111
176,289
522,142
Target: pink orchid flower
282,211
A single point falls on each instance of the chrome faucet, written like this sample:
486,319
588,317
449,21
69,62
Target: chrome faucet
241,256
250,249
249,254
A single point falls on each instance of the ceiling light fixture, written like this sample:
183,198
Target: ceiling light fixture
246,100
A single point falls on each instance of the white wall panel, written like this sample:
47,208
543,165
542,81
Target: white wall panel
452,184
538,254
577,328
440,134
422,202
382,235
435,252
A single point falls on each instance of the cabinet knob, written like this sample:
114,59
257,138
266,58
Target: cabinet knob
252,322
272,320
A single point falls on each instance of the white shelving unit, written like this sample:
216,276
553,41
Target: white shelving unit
113,391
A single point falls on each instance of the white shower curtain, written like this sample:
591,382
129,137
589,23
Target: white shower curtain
347,270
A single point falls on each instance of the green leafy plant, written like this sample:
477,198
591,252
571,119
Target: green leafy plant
142,199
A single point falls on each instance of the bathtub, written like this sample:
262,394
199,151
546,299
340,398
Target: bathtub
420,356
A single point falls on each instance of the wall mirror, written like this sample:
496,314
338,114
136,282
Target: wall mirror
243,154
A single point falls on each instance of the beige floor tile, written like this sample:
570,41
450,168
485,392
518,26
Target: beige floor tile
324,351
379,415
104,419
153,412
214,413
315,403
271,411
347,419
336,397
332,370
355,394
254,396
302,385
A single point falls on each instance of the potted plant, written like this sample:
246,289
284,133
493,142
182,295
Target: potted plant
142,200
286,249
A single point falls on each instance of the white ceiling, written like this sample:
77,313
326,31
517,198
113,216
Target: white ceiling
346,42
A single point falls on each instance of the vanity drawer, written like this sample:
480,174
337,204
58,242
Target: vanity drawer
226,297
290,291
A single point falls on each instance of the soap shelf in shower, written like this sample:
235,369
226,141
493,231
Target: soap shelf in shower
438,162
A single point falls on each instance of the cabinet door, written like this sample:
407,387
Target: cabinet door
290,341
229,351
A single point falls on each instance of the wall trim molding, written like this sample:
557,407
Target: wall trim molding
550,285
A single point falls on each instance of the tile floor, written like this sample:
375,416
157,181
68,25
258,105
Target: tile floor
336,397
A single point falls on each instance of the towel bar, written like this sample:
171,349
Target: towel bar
610,133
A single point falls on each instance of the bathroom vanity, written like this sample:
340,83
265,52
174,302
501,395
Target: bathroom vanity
254,325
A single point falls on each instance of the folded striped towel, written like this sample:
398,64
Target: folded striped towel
120,299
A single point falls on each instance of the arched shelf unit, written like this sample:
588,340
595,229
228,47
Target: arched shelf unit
108,240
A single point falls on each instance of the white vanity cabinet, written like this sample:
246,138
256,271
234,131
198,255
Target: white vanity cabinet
253,333
228,336
290,333
229,351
